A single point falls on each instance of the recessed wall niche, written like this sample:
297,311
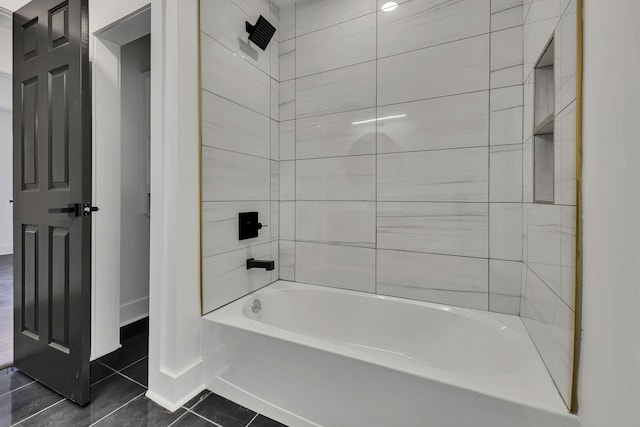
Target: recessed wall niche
543,130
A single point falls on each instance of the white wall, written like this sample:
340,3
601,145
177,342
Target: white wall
610,371
6,45
134,223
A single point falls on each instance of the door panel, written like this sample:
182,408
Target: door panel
52,170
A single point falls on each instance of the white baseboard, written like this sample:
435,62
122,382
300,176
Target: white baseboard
134,310
173,391
6,249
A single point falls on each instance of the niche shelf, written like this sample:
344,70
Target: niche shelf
544,127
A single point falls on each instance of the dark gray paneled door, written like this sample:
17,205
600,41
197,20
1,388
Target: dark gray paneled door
52,184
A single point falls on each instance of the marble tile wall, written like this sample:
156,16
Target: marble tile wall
549,233
426,202
240,148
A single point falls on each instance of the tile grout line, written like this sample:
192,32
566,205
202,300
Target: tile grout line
16,389
252,419
375,176
117,409
295,137
204,418
39,412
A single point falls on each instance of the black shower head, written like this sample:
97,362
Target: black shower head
261,33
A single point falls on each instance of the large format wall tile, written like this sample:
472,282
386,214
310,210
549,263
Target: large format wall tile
224,21
565,156
443,279
505,235
336,135
505,281
565,58
506,115
439,228
459,175
449,122
422,23
232,127
224,73
220,226
345,267
505,173
550,323
344,89
226,278
313,15
336,178
506,57
452,68
506,14
338,46
230,176
342,223
287,260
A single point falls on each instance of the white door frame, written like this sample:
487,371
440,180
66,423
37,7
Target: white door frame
105,250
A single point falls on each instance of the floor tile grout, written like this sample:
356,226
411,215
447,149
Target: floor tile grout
205,418
252,419
117,409
16,389
39,412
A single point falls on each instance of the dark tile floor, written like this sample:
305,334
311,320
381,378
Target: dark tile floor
6,310
119,382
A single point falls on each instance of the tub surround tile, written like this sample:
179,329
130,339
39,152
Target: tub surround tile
287,16
287,94
337,46
450,122
506,115
506,57
275,140
288,140
287,180
337,178
255,8
505,282
230,176
275,180
287,260
226,278
336,135
445,175
550,323
224,22
423,23
453,280
220,226
232,127
454,68
275,100
565,156
229,76
344,267
345,89
538,27
505,172
506,14
505,231
565,58
437,228
315,15
288,220
341,223
287,61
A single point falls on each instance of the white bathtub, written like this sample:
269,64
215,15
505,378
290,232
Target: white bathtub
321,356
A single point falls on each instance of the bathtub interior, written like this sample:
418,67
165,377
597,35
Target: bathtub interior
483,352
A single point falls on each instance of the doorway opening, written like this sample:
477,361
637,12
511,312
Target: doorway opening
121,182
6,218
